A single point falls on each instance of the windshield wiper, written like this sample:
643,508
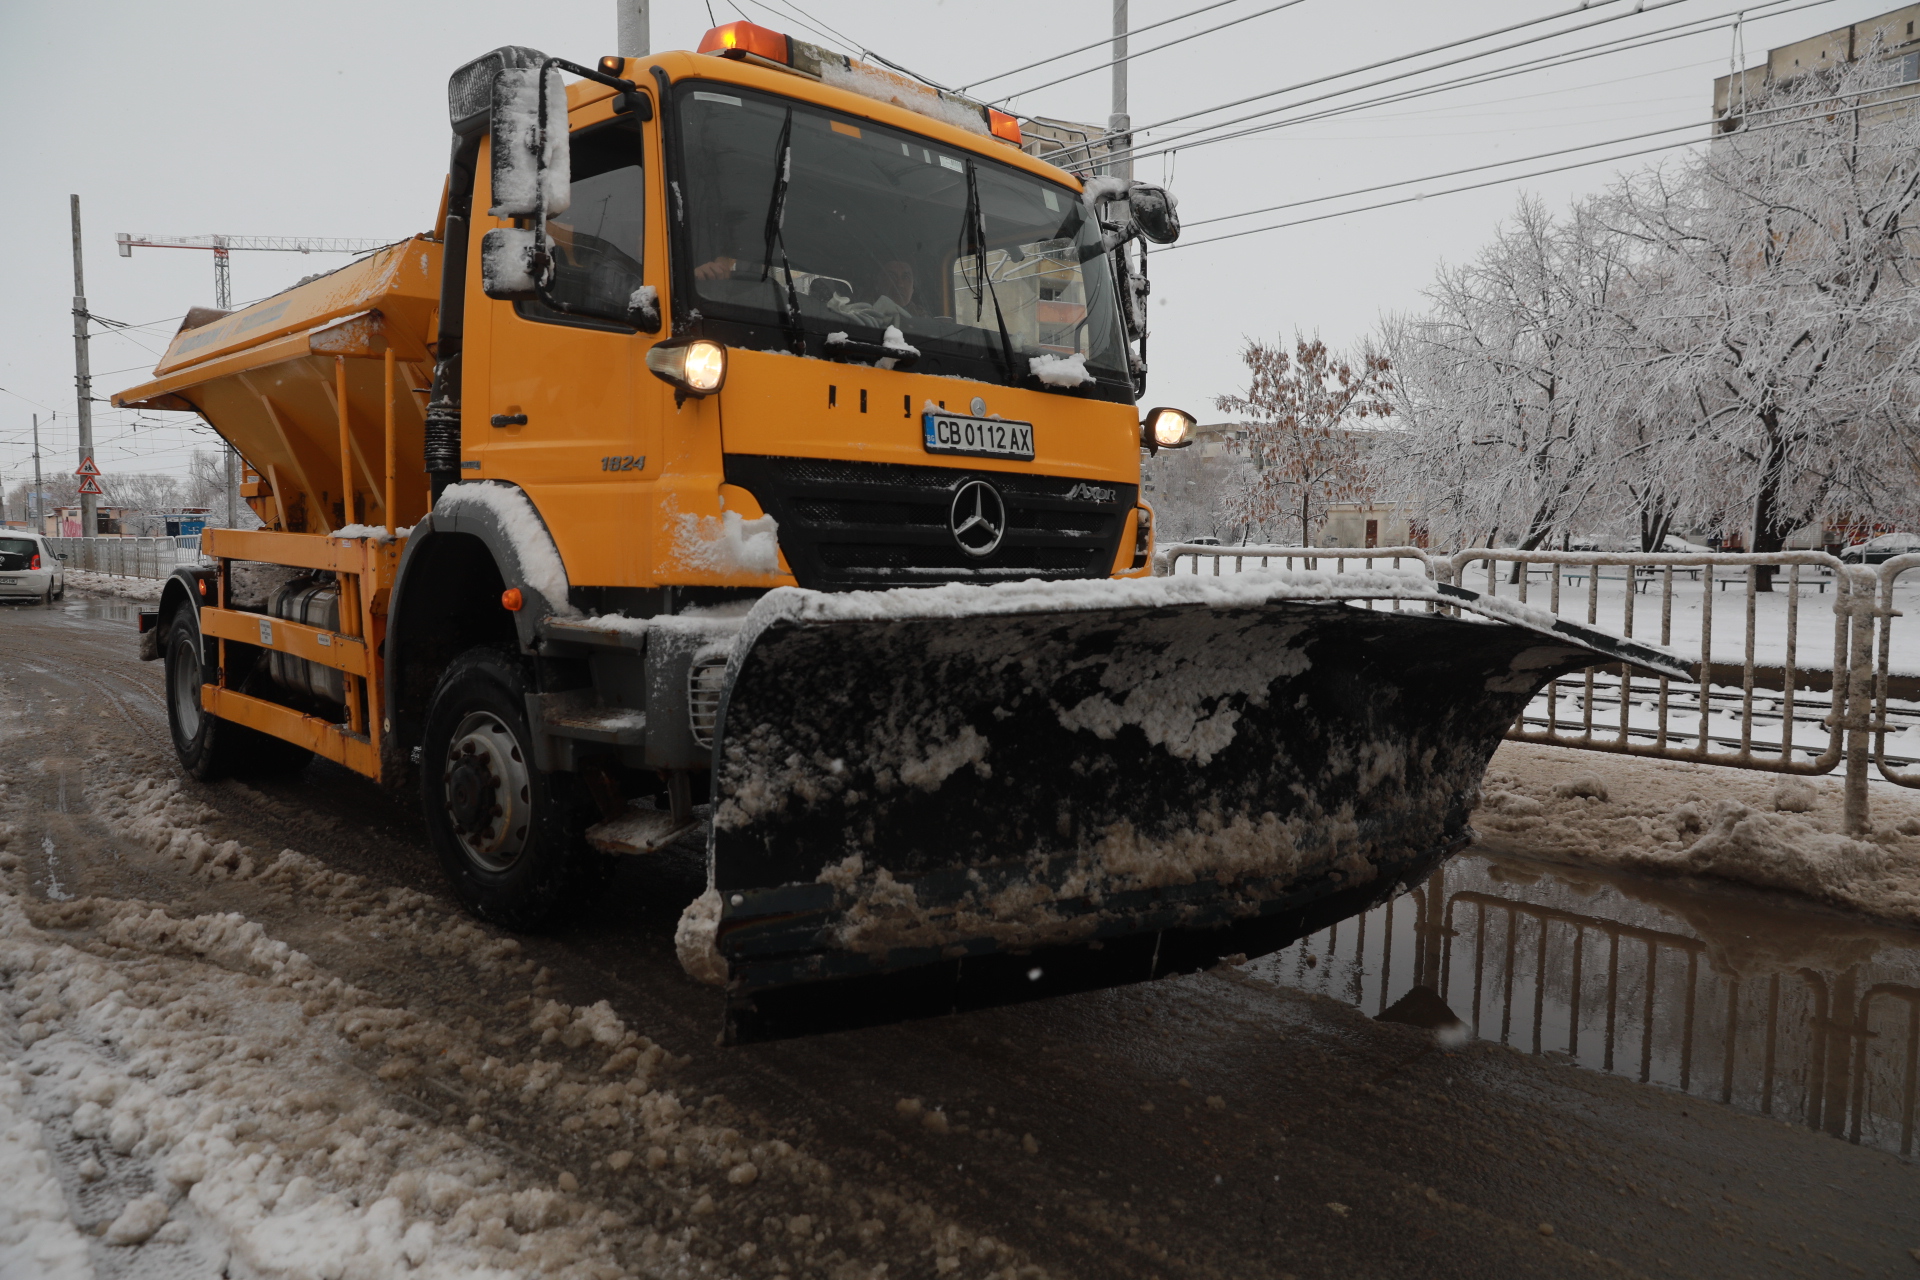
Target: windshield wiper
974,244
775,238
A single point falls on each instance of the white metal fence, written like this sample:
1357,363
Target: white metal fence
1791,674
128,557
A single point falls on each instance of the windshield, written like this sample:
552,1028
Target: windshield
17,553
869,228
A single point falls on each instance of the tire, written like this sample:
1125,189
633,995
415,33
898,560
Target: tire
210,748
507,835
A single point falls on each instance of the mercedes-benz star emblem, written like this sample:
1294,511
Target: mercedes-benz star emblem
978,518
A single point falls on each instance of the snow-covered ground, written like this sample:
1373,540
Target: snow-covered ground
1670,818
184,1094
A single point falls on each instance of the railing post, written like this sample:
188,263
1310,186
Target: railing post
1859,714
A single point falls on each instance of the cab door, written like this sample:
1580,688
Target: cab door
555,411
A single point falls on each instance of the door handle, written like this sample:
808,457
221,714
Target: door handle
509,419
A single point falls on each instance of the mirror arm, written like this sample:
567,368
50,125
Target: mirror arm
597,76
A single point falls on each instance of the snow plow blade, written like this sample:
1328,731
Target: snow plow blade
942,799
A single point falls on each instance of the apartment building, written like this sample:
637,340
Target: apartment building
1893,37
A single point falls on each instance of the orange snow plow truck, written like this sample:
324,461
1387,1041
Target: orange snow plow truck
750,455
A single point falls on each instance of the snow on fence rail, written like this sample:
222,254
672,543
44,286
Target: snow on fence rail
1791,675
128,557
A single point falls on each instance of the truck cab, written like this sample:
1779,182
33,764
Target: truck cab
918,367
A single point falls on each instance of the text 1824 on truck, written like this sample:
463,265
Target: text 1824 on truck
750,452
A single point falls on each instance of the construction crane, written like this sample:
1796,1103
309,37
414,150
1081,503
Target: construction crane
223,246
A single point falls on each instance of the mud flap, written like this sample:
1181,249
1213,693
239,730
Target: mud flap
917,814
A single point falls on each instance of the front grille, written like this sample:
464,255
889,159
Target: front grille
863,525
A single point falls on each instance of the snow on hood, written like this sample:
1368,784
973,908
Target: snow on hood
1061,371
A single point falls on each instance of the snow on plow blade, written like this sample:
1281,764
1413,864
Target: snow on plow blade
951,798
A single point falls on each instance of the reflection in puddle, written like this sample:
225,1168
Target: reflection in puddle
1798,1014
110,610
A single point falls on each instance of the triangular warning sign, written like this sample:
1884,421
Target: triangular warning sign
91,485
87,469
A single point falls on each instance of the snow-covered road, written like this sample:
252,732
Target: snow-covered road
245,1028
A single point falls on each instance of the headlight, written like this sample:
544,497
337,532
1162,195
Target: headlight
706,366
1167,429
695,366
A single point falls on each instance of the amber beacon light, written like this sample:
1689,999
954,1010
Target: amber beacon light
747,40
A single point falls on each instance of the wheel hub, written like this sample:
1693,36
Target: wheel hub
488,791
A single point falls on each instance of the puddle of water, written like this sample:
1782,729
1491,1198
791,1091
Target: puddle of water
1727,996
104,608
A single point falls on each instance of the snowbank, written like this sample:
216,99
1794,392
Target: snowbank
1682,819
145,590
37,1235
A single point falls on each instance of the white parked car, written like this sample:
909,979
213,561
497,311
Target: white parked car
28,568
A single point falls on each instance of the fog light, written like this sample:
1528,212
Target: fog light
695,366
1167,429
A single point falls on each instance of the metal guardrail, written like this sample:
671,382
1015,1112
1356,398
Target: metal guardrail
127,557
1836,1049
1766,701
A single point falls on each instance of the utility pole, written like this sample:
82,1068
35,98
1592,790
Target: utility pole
632,37
1120,124
82,375
233,488
37,506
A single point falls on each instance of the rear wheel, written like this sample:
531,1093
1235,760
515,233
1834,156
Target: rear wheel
208,746
506,834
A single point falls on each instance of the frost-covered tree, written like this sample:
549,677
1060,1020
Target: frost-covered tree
1503,383
1731,338
1773,295
1303,413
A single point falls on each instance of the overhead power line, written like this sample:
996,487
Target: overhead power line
1639,8
1187,141
1141,53
1521,177
1103,40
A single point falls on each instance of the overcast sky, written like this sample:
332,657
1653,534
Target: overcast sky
292,119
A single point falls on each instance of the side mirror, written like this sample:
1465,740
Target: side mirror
514,263
527,117
1155,211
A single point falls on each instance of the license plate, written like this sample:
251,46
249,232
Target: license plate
977,437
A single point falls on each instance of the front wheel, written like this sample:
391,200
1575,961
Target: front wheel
507,835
